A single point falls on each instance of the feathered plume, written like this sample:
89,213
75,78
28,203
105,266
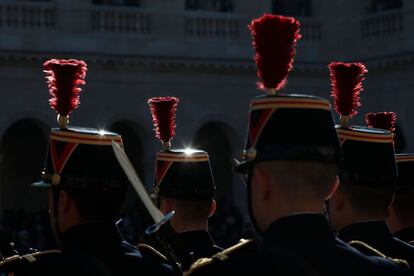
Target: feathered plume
382,120
274,40
346,81
163,117
64,78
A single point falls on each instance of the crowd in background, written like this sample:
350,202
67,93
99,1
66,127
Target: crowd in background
32,230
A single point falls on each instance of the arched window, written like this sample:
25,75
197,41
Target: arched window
210,5
216,138
292,7
23,152
135,218
25,219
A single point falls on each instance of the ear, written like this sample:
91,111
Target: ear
166,205
212,208
337,199
390,208
262,184
334,188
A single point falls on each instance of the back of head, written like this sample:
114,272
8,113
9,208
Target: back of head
403,203
302,179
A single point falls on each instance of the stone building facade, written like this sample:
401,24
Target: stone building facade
197,50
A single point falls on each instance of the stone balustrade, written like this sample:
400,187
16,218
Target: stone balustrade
120,20
27,15
382,24
210,25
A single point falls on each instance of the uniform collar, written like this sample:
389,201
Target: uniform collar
368,231
298,229
193,239
405,234
91,235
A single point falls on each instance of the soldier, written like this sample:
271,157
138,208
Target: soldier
367,173
184,183
400,217
290,168
86,189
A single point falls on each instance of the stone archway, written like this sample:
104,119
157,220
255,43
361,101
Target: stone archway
23,149
213,138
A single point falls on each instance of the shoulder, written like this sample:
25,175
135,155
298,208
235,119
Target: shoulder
222,257
149,251
379,258
23,262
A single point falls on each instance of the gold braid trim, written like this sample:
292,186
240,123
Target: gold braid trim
28,257
221,256
376,252
152,250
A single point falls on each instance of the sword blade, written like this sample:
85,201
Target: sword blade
129,170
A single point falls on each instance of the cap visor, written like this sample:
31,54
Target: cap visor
41,184
241,167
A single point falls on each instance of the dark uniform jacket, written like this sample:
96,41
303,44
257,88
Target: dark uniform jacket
406,234
301,244
377,234
189,246
91,249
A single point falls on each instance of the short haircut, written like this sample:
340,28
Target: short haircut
303,177
194,210
404,204
98,205
369,200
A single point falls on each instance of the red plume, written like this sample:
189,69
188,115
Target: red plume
163,116
346,79
63,78
274,40
382,120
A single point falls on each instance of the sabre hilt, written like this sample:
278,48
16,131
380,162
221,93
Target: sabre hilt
163,234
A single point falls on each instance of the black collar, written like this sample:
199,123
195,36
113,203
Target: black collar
91,235
196,238
405,234
368,231
295,230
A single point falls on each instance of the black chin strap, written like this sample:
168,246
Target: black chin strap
53,215
249,197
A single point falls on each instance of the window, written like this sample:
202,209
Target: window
385,5
292,7
135,3
210,5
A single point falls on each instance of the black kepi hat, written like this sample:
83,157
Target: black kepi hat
179,173
367,158
77,158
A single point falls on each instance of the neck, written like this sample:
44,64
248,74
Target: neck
181,226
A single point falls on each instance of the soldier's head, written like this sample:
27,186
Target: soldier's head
84,180
401,211
184,180
367,169
292,146
290,157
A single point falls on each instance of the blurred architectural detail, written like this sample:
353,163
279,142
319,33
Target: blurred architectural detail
199,51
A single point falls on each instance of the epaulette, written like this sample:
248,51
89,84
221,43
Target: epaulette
220,256
364,247
27,257
152,251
